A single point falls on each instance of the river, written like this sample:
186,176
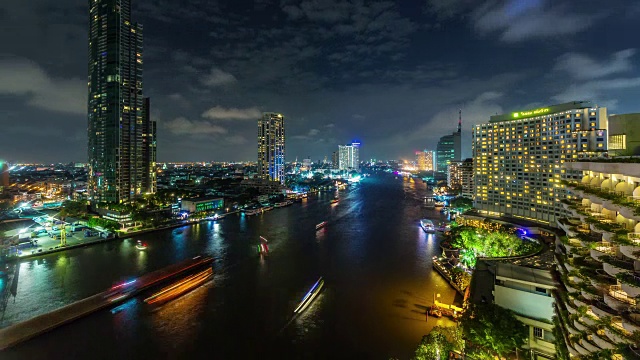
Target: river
374,257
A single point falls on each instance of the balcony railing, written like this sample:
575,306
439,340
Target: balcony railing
617,293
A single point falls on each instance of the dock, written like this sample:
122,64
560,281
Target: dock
20,332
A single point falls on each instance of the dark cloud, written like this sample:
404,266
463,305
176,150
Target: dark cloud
385,72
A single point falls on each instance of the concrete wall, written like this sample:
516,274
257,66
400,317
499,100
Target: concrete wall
524,303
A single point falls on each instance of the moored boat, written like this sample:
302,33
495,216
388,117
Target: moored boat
427,226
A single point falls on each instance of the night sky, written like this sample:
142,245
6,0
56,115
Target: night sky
390,74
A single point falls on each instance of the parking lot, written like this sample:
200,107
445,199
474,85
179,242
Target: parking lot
45,235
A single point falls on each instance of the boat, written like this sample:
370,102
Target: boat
310,296
281,204
140,245
335,201
321,225
427,226
252,212
263,248
180,287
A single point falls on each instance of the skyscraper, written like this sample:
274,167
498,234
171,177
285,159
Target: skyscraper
424,160
271,147
116,120
449,149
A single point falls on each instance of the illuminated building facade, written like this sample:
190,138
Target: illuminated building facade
599,260
425,160
116,122
466,178
449,149
349,156
518,157
271,138
453,175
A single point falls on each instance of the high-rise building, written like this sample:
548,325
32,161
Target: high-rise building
466,178
271,137
453,175
518,157
449,149
598,260
116,120
150,180
424,160
349,156
335,160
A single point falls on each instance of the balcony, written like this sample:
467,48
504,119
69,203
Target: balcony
615,302
581,350
601,309
618,336
578,325
614,266
631,251
630,283
631,322
602,342
635,237
599,250
591,347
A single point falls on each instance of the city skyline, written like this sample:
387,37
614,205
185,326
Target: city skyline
381,86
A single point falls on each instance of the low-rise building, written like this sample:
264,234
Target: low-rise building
201,204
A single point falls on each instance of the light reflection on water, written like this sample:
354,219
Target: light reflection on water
374,257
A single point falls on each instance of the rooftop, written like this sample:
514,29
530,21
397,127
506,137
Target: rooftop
525,274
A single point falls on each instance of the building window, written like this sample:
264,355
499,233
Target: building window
538,333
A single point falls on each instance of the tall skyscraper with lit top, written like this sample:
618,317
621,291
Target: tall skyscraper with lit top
119,166
271,137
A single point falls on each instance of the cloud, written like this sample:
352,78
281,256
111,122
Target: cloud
236,140
311,134
184,126
517,20
220,113
582,67
218,77
593,90
24,78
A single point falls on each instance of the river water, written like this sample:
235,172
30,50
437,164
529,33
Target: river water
374,257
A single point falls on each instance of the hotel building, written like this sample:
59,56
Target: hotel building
599,261
349,156
518,158
425,160
271,137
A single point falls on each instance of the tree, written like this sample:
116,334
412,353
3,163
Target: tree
73,208
491,331
439,343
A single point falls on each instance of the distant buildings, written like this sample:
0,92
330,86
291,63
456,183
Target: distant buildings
271,141
466,178
349,156
449,149
519,156
335,160
120,161
425,160
4,176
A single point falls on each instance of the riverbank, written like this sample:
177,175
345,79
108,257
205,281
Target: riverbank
120,236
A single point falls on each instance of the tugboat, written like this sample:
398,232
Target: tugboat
140,245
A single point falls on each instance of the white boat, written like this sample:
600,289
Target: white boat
427,226
321,225
140,245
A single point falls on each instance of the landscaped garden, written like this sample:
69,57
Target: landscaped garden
491,241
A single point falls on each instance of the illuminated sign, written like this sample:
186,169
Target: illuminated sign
530,112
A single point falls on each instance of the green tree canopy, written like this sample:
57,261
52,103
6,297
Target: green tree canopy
439,342
491,331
